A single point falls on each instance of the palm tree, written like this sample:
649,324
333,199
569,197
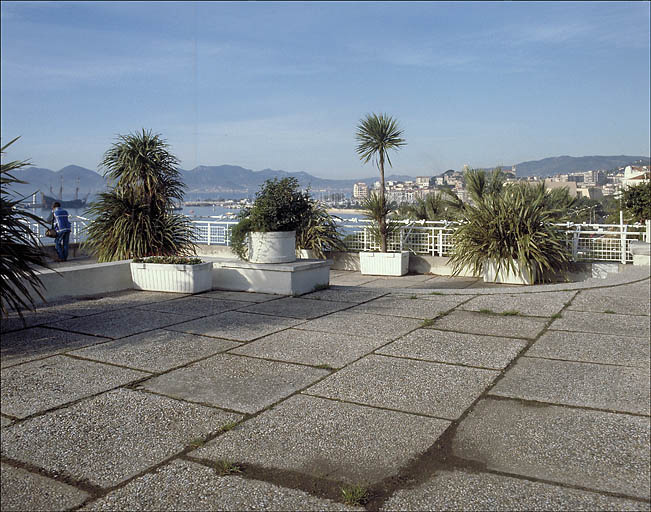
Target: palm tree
135,218
20,252
431,207
376,135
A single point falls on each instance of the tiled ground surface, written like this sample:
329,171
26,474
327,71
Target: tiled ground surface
431,392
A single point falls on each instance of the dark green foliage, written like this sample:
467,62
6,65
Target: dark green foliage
135,218
376,135
19,249
318,231
637,202
279,205
514,224
432,207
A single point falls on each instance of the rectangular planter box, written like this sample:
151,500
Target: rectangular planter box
384,263
506,274
160,277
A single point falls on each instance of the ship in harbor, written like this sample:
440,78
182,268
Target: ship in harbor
76,203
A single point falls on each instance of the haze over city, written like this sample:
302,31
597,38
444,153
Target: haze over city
283,85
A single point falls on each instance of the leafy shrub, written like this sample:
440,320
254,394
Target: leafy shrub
135,218
19,248
279,206
512,225
637,202
318,231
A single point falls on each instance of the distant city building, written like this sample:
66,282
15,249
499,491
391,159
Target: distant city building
590,192
423,181
360,190
570,185
635,175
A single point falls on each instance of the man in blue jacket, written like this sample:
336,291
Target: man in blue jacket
61,224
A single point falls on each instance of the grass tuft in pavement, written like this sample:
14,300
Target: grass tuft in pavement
354,494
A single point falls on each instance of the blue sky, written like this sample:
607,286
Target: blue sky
283,85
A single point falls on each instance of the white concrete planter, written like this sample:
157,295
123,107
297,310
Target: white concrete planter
161,277
384,263
272,247
506,274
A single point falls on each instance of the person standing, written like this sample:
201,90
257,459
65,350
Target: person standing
61,224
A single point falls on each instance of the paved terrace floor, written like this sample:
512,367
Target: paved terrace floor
430,392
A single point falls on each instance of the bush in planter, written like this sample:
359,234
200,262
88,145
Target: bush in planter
279,206
378,210
509,226
20,252
318,231
135,218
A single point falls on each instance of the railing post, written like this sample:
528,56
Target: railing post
402,233
365,240
648,231
439,239
575,242
623,243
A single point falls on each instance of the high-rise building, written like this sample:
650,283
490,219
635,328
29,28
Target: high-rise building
360,190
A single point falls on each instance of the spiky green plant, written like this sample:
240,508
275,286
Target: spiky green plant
515,225
318,232
135,218
430,207
378,210
376,135
20,253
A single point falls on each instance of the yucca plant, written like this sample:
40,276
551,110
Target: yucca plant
376,135
318,231
514,225
135,218
431,207
20,253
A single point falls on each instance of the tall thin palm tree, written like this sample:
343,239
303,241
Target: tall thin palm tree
376,135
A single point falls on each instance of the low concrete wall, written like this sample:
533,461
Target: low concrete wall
81,280
75,250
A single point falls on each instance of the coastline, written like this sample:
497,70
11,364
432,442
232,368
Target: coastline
337,211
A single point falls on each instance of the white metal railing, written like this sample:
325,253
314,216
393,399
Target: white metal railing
77,233
595,242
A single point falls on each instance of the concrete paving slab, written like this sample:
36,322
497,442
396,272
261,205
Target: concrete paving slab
464,490
363,324
235,325
112,437
345,294
156,351
641,290
30,319
41,385
22,490
326,439
193,306
420,387
129,298
294,307
4,421
234,382
530,304
596,450
593,348
37,342
599,302
457,348
408,307
241,296
603,323
355,279
406,281
582,384
492,325
120,323
184,485
310,347
447,283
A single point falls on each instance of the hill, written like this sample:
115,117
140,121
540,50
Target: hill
567,164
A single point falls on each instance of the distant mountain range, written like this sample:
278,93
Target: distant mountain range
225,180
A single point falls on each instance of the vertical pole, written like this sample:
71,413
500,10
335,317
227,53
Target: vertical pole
575,242
365,240
402,232
623,243
440,242
648,231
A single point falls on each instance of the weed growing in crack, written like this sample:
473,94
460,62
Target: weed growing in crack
228,426
325,367
354,494
196,443
428,322
557,315
609,312
436,293
511,312
414,297
486,311
226,467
